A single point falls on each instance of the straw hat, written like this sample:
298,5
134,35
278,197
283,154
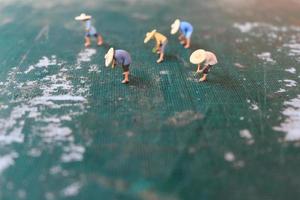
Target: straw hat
198,56
82,17
149,36
175,26
109,56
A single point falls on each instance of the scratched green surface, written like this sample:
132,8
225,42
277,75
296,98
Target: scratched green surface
71,130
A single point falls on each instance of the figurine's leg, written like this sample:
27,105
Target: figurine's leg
183,41
162,52
181,37
188,43
205,72
126,74
161,58
198,68
126,78
188,38
87,41
204,78
99,39
158,50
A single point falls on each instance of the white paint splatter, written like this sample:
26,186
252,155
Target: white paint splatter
271,34
246,27
14,136
254,106
239,65
281,90
164,72
21,194
267,57
34,152
11,128
184,118
290,83
292,70
94,68
246,134
73,153
7,160
251,27
59,98
56,91
229,156
55,133
49,196
85,55
293,48
6,20
43,63
30,68
72,190
291,125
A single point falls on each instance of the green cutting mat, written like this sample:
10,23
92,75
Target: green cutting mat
70,130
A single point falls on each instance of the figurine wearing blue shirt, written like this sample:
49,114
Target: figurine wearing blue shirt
90,30
186,31
119,57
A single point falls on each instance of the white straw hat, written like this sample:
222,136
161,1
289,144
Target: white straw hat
109,56
83,16
175,26
198,56
149,36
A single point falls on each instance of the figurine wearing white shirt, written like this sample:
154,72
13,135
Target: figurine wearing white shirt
208,59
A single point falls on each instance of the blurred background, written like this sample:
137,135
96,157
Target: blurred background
70,130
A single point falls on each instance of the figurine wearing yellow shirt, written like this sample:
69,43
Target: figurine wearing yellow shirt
161,43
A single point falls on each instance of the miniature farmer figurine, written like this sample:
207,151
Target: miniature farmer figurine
208,58
119,57
90,30
185,32
161,43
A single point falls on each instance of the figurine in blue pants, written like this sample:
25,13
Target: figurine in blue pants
185,30
119,57
90,31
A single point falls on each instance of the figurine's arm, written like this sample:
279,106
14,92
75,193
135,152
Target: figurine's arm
180,36
199,68
114,63
205,68
157,45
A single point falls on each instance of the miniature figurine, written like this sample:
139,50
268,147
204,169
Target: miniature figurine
90,30
161,43
209,59
185,32
119,57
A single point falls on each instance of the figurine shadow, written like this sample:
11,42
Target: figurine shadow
226,81
139,82
171,57
196,46
105,45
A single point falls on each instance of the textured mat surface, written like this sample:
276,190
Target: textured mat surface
70,130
